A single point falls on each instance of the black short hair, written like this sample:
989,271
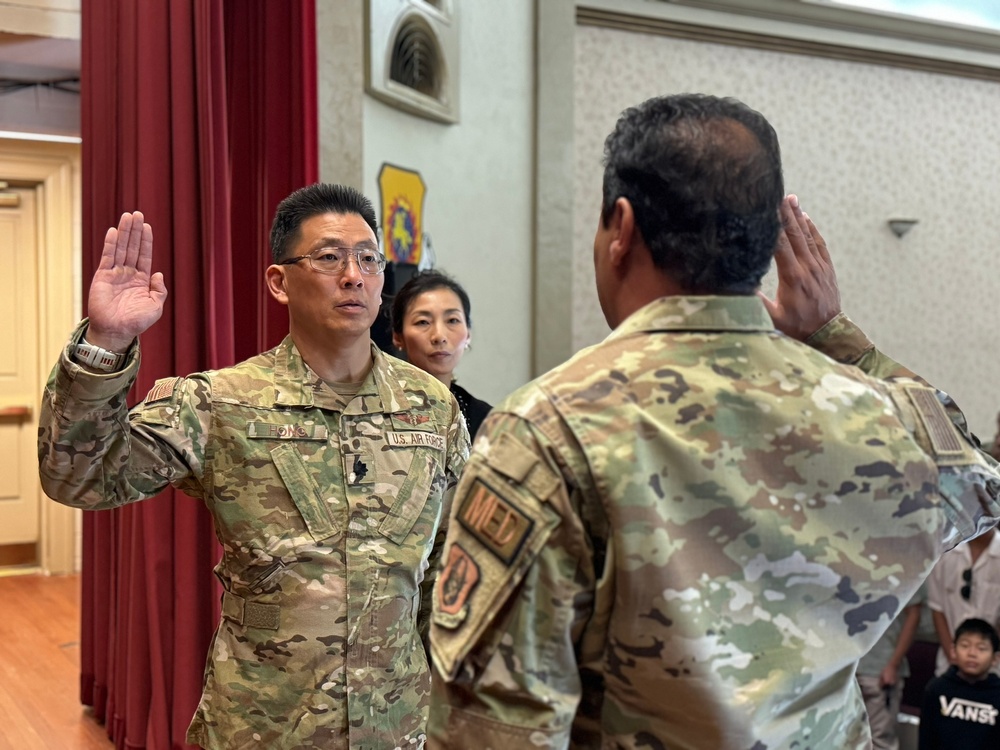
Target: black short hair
426,281
703,175
979,627
314,200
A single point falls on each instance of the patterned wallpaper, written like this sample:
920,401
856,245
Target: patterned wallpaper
861,144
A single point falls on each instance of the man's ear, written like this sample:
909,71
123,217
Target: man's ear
622,225
274,276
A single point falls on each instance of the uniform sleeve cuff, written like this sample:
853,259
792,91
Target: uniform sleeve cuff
86,387
841,339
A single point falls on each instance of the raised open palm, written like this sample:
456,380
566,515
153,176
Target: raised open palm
807,296
125,298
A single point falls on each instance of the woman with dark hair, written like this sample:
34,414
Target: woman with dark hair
431,326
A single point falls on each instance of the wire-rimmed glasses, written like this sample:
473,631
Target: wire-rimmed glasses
333,260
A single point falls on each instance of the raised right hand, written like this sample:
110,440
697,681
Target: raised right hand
125,299
807,297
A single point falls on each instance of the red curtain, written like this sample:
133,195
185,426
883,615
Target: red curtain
201,114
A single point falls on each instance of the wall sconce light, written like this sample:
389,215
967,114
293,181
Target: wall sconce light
900,227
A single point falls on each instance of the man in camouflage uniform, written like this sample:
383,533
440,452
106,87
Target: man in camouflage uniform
328,467
686,536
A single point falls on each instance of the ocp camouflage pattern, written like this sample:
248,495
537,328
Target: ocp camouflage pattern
331,516
737,519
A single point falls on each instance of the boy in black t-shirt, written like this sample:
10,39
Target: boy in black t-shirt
961,707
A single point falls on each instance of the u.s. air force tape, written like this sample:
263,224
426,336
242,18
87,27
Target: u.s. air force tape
416,440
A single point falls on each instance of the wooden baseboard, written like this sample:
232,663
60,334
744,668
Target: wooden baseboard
12,555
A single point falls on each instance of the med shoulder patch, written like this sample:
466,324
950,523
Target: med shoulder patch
498,528
498,524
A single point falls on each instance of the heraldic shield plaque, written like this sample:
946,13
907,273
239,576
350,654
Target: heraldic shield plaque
402,194
402,239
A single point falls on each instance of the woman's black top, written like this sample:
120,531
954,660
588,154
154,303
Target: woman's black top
475,411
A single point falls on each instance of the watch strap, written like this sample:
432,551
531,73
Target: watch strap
96,357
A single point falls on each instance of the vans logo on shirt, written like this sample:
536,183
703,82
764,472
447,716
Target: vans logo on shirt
956,708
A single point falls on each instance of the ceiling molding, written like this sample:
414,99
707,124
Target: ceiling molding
632,22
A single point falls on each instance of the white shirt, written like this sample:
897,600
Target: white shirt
945,590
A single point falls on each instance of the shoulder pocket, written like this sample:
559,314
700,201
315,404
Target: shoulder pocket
161,406
497,530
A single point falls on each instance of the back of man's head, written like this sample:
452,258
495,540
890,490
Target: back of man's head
703,176
315,200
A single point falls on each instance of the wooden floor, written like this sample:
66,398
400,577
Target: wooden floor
40,667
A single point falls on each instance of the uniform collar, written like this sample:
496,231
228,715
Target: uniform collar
295,384
992,550
690,313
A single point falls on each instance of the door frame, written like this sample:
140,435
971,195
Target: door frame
54,170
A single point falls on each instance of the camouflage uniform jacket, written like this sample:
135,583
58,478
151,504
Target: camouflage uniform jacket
686,537
331,518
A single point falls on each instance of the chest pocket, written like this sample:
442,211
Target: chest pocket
411,474
305,492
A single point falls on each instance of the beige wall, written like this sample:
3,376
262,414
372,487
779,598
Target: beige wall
57,18
40,41
861,143
478,173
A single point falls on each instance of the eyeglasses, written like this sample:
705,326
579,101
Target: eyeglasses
967,588
334,260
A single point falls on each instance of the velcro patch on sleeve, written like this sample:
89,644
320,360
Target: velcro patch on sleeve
497,523
162,390
515,460
456,582
497,530
944,439
542,481
512,459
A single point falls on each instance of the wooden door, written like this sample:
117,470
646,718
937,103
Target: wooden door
20,495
